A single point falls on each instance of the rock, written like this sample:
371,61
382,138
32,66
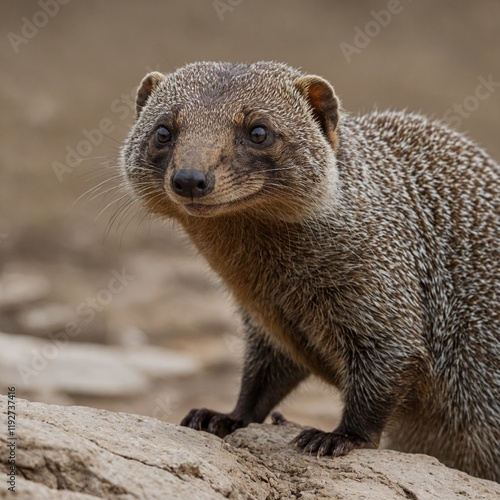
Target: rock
17,290
45,318
79,453
60,366
128,336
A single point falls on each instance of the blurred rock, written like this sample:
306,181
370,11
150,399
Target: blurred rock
45,318
126,336
63,367
19,289
77,452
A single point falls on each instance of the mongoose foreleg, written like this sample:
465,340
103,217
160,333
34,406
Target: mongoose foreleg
268,377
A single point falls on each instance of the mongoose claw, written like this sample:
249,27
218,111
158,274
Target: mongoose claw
328,443
220,424
277,418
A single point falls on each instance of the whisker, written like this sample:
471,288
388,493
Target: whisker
94,189
108,205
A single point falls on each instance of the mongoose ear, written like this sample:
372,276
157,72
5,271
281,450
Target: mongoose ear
148,85
323,101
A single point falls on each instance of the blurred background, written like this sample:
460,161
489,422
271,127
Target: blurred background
99,304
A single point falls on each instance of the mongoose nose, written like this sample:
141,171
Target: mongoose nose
191,183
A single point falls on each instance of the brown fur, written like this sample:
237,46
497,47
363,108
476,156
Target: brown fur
364,250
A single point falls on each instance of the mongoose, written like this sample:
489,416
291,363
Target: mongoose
361,249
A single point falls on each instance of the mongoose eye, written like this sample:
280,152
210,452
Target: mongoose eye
258,135
163,135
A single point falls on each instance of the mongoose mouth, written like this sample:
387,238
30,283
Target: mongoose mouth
194,192
213,209
203,210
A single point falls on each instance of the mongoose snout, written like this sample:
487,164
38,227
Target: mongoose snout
362,249
191,183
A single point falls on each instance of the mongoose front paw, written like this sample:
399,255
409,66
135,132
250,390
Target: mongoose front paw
328,443
220,424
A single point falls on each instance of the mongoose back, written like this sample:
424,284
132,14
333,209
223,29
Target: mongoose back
364,250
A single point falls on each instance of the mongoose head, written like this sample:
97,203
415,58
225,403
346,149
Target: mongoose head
214,139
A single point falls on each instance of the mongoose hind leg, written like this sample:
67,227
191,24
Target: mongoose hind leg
268,376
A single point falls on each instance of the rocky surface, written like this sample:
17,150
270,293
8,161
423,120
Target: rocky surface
83,453
59,367
20,289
